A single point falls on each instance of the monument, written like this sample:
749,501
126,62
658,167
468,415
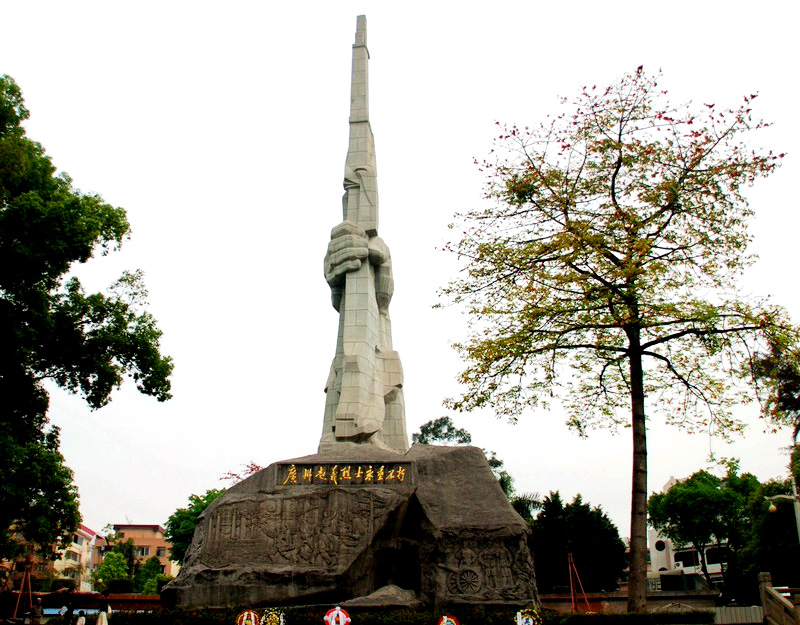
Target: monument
365,520
365,386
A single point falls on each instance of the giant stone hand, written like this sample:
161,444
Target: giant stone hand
348,248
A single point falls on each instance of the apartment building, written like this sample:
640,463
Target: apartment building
79,559
76,562
149,541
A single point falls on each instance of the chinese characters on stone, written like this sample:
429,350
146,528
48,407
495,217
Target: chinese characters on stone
344,474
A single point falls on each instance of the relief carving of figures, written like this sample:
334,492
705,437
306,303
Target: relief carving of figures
496,562
307,530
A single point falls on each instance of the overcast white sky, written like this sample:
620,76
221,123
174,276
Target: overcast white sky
222,129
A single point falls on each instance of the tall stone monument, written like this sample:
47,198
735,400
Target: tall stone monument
365,386
366,520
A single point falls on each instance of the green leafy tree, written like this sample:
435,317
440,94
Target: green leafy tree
441,431
51,329
603,271
113,567
181,523
147,575
738,524
38,500
154,585
588,534
772,543
705,510
128,550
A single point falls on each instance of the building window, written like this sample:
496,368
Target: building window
77,539
717,555
660,545
161,552
142,551
71,555
687,558
41,567
120,534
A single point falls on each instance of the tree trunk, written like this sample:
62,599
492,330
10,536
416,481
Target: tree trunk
723,568
637,582
701,554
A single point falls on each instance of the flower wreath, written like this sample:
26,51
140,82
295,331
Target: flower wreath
273,616
448,620
337,616
248,617
528,616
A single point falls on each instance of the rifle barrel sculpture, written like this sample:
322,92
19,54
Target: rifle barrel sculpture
364,402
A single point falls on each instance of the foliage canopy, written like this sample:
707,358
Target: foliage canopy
771,543
181,523
603,270
588,534
113,567
731,514
148,575
50,329
441,431
703,510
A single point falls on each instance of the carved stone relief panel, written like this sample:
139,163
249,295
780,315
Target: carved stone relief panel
474,569
322,529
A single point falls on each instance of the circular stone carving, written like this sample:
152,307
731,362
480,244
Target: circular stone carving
452,583
469,582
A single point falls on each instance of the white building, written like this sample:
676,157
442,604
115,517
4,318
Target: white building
79,559
682,561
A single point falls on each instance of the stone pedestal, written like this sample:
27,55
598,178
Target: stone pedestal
364,525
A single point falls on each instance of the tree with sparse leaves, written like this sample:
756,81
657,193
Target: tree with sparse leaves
778,369
51,329
603,270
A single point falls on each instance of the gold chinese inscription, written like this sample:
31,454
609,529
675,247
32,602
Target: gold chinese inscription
354,474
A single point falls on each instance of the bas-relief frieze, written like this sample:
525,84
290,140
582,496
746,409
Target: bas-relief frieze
313,530
477,569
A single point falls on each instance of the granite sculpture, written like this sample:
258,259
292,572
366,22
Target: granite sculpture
365,521
361,526
364,392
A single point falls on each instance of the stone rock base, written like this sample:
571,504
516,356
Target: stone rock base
430,526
